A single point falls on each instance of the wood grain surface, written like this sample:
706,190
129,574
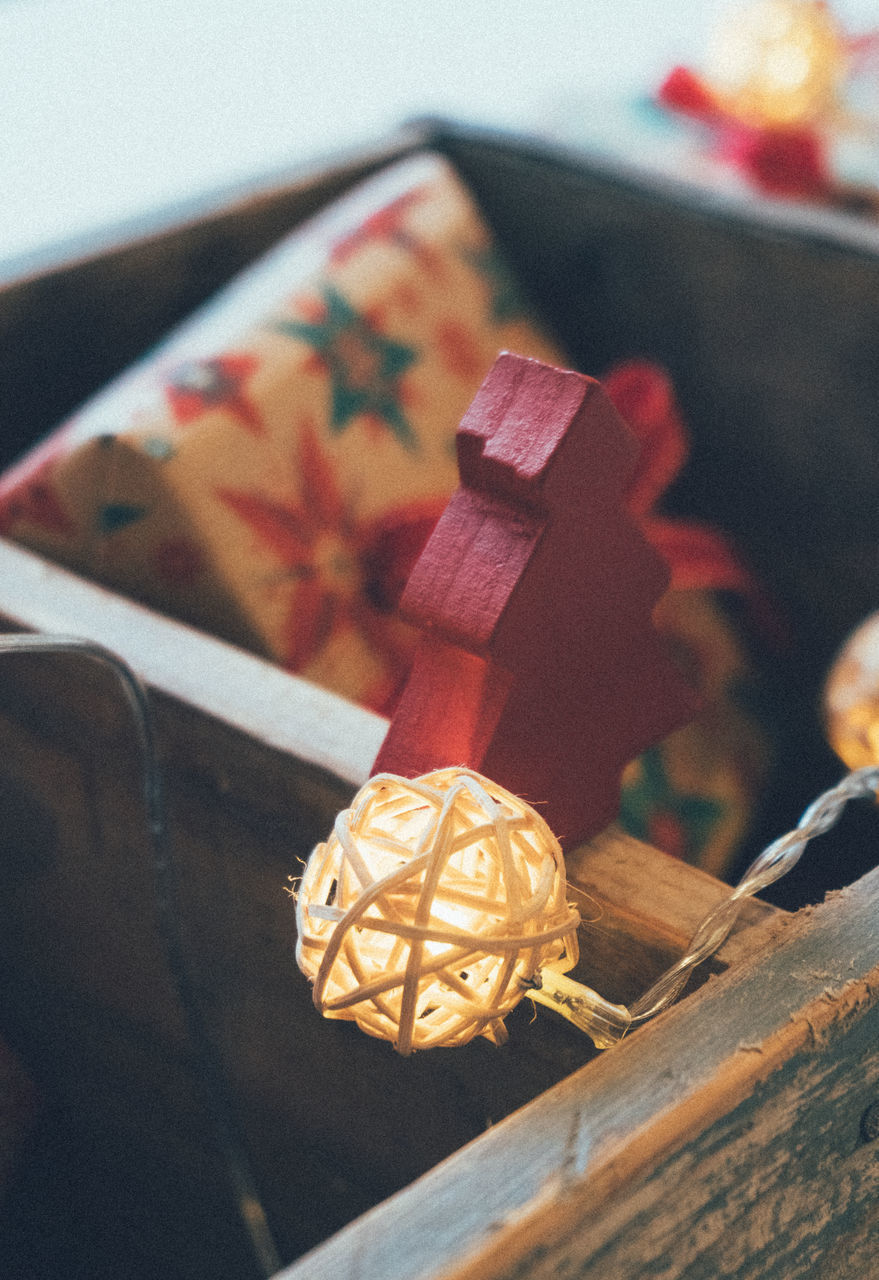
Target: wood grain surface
253,782
723,1140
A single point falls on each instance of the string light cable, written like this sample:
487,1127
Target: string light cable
212,1077
607,1023
437,903
775,861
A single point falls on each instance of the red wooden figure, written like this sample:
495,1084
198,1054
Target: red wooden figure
538,664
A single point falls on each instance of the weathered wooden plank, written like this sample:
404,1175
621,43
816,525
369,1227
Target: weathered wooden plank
723,1136
245,806
231,686
641,907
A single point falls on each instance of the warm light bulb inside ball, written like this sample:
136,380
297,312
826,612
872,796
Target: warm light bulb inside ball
851,697
778,63
431,907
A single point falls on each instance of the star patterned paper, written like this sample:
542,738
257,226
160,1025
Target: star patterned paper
272,472
199,385
364,366
390,226
348,572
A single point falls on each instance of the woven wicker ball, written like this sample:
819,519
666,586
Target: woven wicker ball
851,697
432,901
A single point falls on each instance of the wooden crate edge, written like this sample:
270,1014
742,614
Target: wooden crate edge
247,693
506,1205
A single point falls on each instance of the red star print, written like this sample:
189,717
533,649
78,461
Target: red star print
389,225
198,385
698,556
458,350
178,561
28,495
349,574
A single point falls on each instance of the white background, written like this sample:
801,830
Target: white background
109,109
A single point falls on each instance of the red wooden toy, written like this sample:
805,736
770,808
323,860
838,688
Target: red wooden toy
538,665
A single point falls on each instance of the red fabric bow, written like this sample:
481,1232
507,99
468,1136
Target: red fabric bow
698,556
787,162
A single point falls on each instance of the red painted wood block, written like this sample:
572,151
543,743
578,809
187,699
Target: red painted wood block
538,665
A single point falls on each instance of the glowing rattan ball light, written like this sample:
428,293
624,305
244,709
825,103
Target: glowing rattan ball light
851,697
439,902
778,62
431,907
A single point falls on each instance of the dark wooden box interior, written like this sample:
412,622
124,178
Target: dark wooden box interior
767,319
770,330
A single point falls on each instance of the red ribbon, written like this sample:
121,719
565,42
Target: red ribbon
698,556
781,161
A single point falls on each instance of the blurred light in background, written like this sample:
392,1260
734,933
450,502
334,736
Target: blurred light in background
111,110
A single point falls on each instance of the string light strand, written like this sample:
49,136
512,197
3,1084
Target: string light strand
251,1211
776,860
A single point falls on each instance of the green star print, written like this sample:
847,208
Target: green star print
364,366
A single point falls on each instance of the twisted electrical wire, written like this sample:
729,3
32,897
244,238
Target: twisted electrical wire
775,861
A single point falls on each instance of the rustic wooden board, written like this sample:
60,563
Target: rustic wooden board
722,1140
257,764
643,1162
237,691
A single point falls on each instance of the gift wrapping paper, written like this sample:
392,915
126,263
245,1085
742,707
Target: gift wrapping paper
271,472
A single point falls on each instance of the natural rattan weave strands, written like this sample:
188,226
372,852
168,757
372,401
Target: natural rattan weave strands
430,906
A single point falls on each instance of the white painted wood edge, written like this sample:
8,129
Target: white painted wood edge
244,691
